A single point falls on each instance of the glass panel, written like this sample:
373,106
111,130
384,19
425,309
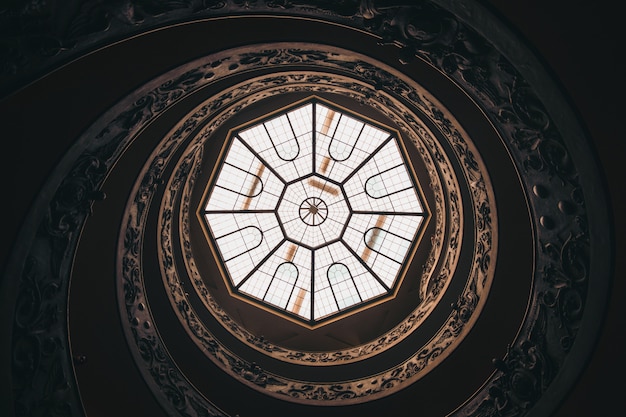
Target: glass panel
237,239
343,286
244,183
283,138
338,155
388,182
383,184
282,285
240,241
314,211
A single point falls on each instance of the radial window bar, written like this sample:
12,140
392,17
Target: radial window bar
318,159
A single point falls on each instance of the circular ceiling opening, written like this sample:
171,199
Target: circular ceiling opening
523,284
313,212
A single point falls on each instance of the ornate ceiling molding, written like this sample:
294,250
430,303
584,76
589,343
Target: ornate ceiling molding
40,37
462,315
433,282
546,144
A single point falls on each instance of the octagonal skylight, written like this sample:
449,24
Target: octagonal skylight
313,211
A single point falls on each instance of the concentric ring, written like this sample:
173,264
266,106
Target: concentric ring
292,389
532,144
313,211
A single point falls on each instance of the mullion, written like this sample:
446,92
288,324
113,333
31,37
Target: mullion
260,263
365,265
263,161
366,160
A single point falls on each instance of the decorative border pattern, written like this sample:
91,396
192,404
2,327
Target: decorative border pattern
443,203
556,191
479,276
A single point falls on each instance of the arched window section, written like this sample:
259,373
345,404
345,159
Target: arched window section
281,287
240,241
250,185
337,272
283,138
387,244
388,182
331,176
342,284
341,151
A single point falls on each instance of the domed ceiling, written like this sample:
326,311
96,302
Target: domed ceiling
364,208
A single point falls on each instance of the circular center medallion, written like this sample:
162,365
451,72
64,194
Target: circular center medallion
313,211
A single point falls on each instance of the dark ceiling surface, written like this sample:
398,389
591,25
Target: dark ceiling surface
578,41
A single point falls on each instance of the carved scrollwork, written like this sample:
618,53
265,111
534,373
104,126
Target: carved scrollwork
38,36
41,359
395,335
254,375
40,353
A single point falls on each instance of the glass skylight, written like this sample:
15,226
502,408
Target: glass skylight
313,211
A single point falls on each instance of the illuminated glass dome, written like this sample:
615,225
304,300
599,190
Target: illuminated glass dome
313,211
122,262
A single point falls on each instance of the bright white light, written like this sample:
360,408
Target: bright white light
313,211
